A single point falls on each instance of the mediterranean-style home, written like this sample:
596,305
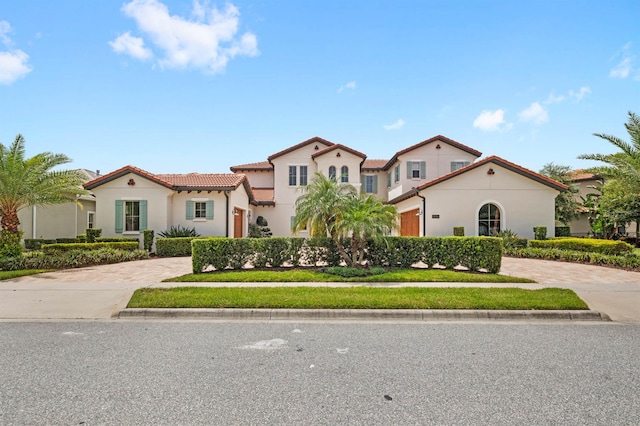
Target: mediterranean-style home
66,220
436,185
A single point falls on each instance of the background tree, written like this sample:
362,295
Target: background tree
567,204
31,181
620,203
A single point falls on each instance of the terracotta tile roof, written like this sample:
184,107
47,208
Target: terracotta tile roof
264,196
438,138
181,182
260,166
314,139
123,171
580,175
493,159
374,164
338,146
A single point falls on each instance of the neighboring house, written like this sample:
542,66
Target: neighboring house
130,200
586,182
436,185
66,220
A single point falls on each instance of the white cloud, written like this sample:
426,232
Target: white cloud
350,85
580,94
13,63
554,99
625,66
489,121
133,46
208,41
535,114
398,124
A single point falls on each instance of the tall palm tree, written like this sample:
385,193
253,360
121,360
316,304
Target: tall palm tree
624,164
31,181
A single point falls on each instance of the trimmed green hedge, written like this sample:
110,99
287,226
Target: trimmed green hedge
593,245
70,259
61,248
474,253
36,243
174,247
629,262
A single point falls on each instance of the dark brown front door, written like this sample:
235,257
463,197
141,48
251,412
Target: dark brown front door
238,223
410,223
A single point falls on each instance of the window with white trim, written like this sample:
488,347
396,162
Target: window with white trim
298,172
344,174
455,165
91,219
200,210
396,174
416,169
131,216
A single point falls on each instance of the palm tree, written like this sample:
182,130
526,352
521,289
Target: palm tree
624,164
365,217
328,207
31,181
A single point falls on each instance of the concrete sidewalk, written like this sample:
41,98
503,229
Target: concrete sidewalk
101,292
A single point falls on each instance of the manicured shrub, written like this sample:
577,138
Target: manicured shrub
563,231
629,262
92,234
147,241
174,247
540,232
10,244
80,258
593,245
36,243
61,248
67,240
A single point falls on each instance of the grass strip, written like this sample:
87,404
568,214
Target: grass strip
356,298
303,275
7,275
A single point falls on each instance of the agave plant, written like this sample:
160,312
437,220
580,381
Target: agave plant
178,231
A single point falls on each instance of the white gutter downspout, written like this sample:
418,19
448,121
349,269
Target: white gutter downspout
34,222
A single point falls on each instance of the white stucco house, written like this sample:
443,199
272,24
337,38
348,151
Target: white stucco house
130,200
436,185
67,220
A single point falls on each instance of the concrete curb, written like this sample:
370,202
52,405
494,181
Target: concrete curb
361,314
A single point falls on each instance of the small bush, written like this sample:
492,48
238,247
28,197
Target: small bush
178,232
61,248
563,231
10,244
174,247
36,243
540,232
147,243
92,234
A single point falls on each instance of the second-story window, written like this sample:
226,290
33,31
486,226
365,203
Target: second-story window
293,175
416,169
396,174
370,184
344,174
303,175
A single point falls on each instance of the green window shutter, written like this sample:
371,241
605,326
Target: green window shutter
210,209
143,215
119,216
375,184
189,208
409,169
423,170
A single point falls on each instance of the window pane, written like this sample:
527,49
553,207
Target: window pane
344,174
488,220
332,172
132,216
201,210
292,176
303,175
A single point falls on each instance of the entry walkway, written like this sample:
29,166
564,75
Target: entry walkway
101,291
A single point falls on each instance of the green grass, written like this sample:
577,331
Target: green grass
356,298
7,275
303,275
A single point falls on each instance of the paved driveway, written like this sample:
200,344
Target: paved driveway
102,291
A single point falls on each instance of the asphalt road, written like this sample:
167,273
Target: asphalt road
176,373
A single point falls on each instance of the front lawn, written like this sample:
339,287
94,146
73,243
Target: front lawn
356,298
7,275
311,275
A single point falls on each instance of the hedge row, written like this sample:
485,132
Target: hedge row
474,253
70,259
630,262
174,247
61,248
592,245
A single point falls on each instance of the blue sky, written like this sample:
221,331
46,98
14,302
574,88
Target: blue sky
176,86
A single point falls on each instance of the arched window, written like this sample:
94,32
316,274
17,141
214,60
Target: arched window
488,220
344,174
332,172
